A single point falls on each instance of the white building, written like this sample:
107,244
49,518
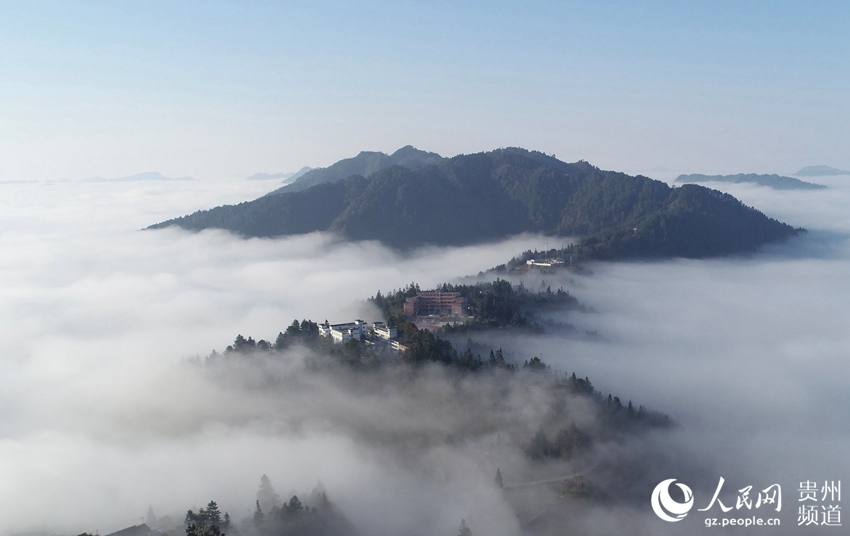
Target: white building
544,262
359,331
342,333
382,331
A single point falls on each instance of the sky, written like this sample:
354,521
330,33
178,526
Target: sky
222,90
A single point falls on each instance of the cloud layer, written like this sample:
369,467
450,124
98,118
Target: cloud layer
102,415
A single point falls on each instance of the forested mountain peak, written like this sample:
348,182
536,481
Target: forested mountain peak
488,196
366,163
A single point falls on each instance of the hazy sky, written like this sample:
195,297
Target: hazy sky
226,89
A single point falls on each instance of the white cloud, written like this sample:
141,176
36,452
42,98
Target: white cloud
99,418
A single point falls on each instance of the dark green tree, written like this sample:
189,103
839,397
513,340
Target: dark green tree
294,507
267,497
539,448
259,517
212,514
201,528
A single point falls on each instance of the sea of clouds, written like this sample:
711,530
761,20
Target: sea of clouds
102,413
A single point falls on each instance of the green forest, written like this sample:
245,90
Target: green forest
489,196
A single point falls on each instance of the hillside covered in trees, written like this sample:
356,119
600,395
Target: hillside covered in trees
488,196
481,436
492,305
520,426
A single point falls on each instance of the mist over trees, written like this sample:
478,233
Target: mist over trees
492,305
533,421
315,516
530,420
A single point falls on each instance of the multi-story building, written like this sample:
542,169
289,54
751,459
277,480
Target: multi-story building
342,333
435,302
358,331
382,331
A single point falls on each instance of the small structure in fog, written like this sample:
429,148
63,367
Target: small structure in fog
545,263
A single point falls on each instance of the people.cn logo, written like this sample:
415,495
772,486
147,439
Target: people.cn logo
662,503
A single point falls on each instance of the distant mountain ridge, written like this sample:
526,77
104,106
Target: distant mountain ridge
268,176
146,176
488,196
820,171
777,182
286,177
366,163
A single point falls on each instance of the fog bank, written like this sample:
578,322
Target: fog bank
104,412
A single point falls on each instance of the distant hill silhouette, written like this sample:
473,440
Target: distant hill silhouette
366,163
820,171
488,196
777,182
146,176
268,176
284,177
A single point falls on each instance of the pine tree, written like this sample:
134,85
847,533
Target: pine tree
324,503
499,481
294,507
213,514
464,530
267,496
259,517
540,447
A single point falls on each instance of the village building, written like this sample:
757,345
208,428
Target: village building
382,331
437,303
342,333
546,263
358,330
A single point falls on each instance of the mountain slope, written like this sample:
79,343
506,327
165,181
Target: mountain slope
486,196
777,182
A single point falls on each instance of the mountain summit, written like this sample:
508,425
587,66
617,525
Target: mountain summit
820,171
366,163
488,196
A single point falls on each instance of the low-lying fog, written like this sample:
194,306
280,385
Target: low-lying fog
101,416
